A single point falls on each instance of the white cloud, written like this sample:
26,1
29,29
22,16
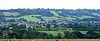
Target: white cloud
68,4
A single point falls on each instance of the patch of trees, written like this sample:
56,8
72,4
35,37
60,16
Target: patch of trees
21,32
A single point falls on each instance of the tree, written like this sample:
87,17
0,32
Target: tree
48,26
92,34
60,35
67,34
50,36
77,34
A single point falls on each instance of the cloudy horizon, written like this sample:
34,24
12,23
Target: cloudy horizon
67,4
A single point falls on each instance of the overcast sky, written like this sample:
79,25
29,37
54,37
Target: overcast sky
58,4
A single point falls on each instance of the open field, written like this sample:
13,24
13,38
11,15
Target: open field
57,32
52,32
49,39
54,13
27,17
83,32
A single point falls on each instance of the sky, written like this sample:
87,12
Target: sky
57,4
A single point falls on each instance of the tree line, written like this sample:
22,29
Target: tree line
21,32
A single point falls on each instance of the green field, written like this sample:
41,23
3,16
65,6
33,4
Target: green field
54,13
86,16
49,39
83,32
52,32
27,17
49,18
97,14
55,33
59,12
70,18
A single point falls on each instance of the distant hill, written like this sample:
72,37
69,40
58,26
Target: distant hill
55,13
10,14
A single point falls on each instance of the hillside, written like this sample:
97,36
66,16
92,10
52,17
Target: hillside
54,13
50,24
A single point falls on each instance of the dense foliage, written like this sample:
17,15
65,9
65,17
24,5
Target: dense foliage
21,32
